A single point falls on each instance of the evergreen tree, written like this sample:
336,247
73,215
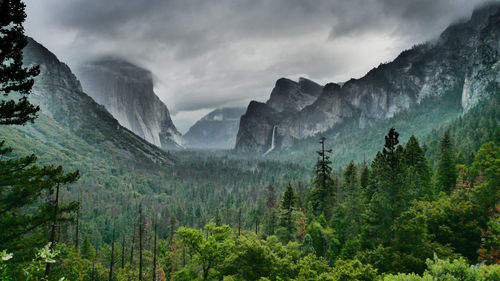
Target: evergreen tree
418,172
286,220
322,196
365,176
22,183
386,191
14,78
447,172
270,214
347,217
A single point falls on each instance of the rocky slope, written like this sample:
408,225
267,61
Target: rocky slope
67,108
464,60
217,129
126,90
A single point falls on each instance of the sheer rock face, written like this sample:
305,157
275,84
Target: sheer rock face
126,91
60,96
465,59
216,130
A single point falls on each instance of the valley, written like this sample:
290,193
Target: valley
406,184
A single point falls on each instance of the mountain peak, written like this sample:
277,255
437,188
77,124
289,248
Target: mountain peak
126,90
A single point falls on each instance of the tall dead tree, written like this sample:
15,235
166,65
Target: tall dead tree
123,251
53,230
111,261
154,255
140,243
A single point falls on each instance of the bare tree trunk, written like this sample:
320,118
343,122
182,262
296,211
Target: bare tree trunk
112,256
53,231
123,251
77,230
140,243
132,244
239,222
154,256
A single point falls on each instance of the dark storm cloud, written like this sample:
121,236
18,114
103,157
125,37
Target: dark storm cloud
210,53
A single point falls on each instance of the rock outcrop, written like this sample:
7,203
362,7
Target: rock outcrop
126,90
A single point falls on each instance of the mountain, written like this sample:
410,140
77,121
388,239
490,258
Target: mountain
126,90
217,129
68,115
461,63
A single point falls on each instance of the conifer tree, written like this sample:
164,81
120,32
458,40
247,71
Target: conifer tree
323,194
287,223
14,78
270,215
348,212
364,177
22,182
447,172
418,172
386,191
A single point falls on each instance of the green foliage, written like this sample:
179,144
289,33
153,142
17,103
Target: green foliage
22,183
447,171
14,78
447,270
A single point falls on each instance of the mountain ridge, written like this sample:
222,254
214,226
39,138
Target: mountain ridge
463,59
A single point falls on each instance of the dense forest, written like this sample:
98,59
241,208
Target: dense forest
425,208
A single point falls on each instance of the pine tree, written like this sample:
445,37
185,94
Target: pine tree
447,172
287,222
386,191
365,176
14,78
348,213
323,194
418,171
21,181
270,213
21,184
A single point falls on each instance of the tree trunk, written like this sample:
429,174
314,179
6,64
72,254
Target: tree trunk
140,244
112,256
53,231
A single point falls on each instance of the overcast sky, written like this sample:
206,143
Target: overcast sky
212,53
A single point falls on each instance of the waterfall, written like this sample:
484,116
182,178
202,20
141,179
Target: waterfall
273,140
